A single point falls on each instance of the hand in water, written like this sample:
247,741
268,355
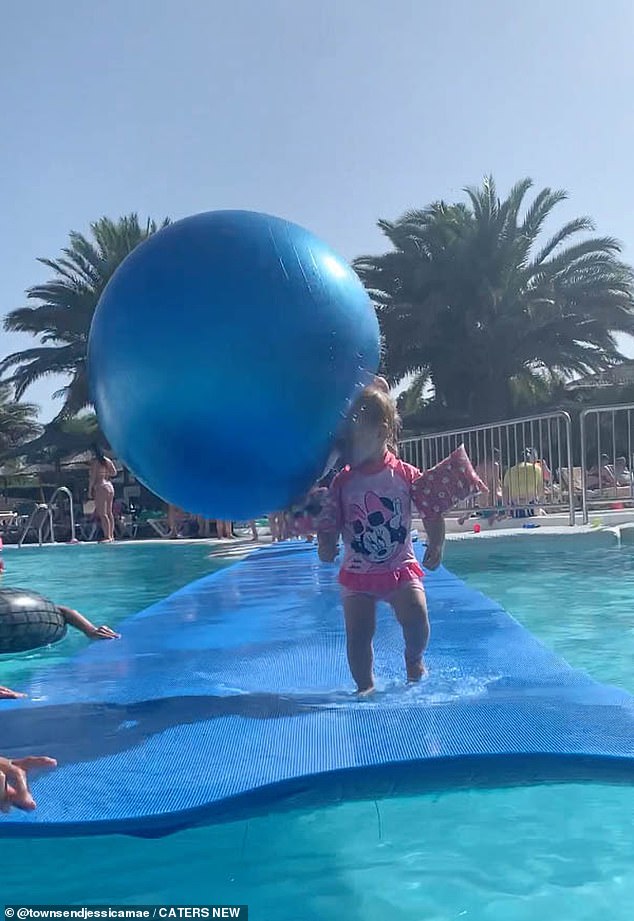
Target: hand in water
14,789
8,694
77,620
104,633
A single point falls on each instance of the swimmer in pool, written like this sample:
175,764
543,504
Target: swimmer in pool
73,619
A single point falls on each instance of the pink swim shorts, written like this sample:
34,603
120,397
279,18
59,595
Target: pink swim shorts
379,584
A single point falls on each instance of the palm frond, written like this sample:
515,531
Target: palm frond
540,209
65,305
467,294
578,225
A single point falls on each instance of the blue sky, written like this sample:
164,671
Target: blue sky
330,113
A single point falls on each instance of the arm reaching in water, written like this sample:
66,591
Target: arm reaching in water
8,694
81,623
77,620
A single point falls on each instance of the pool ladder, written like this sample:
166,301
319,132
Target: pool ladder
41,519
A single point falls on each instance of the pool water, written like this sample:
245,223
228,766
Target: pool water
105,582
514,855
552,852
575,593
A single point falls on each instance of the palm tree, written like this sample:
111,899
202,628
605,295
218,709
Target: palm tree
59,439
17,421
469,299
62,318
412,403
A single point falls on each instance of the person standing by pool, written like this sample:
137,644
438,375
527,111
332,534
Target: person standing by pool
102,491
490,473
224,530
177,521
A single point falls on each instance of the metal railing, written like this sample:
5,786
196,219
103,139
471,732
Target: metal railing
41,516
527,463
41,519
607,458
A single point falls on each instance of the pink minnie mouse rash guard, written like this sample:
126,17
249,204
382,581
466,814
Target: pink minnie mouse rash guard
371,507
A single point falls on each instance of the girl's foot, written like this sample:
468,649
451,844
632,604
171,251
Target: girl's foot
366,692
415,670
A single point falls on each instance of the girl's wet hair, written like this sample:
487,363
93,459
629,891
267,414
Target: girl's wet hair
375,407
380,383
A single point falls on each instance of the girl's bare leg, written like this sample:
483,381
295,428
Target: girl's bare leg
360,617
410,607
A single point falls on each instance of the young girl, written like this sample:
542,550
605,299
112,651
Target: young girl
370,504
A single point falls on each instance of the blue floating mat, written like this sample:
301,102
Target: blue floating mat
232,697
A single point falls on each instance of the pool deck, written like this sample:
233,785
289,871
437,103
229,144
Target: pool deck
618,523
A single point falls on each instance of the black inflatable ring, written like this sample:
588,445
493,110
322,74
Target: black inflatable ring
28,621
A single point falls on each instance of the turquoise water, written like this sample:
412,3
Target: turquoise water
576,593
106,582
514,855
508,855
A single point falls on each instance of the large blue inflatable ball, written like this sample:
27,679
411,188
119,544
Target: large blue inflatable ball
223,355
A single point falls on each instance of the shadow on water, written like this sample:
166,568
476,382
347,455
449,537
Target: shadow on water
68,732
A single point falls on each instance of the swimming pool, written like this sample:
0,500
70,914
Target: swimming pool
574,592
551,852
106,582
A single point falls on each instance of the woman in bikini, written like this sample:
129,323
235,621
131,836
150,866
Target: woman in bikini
102,491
